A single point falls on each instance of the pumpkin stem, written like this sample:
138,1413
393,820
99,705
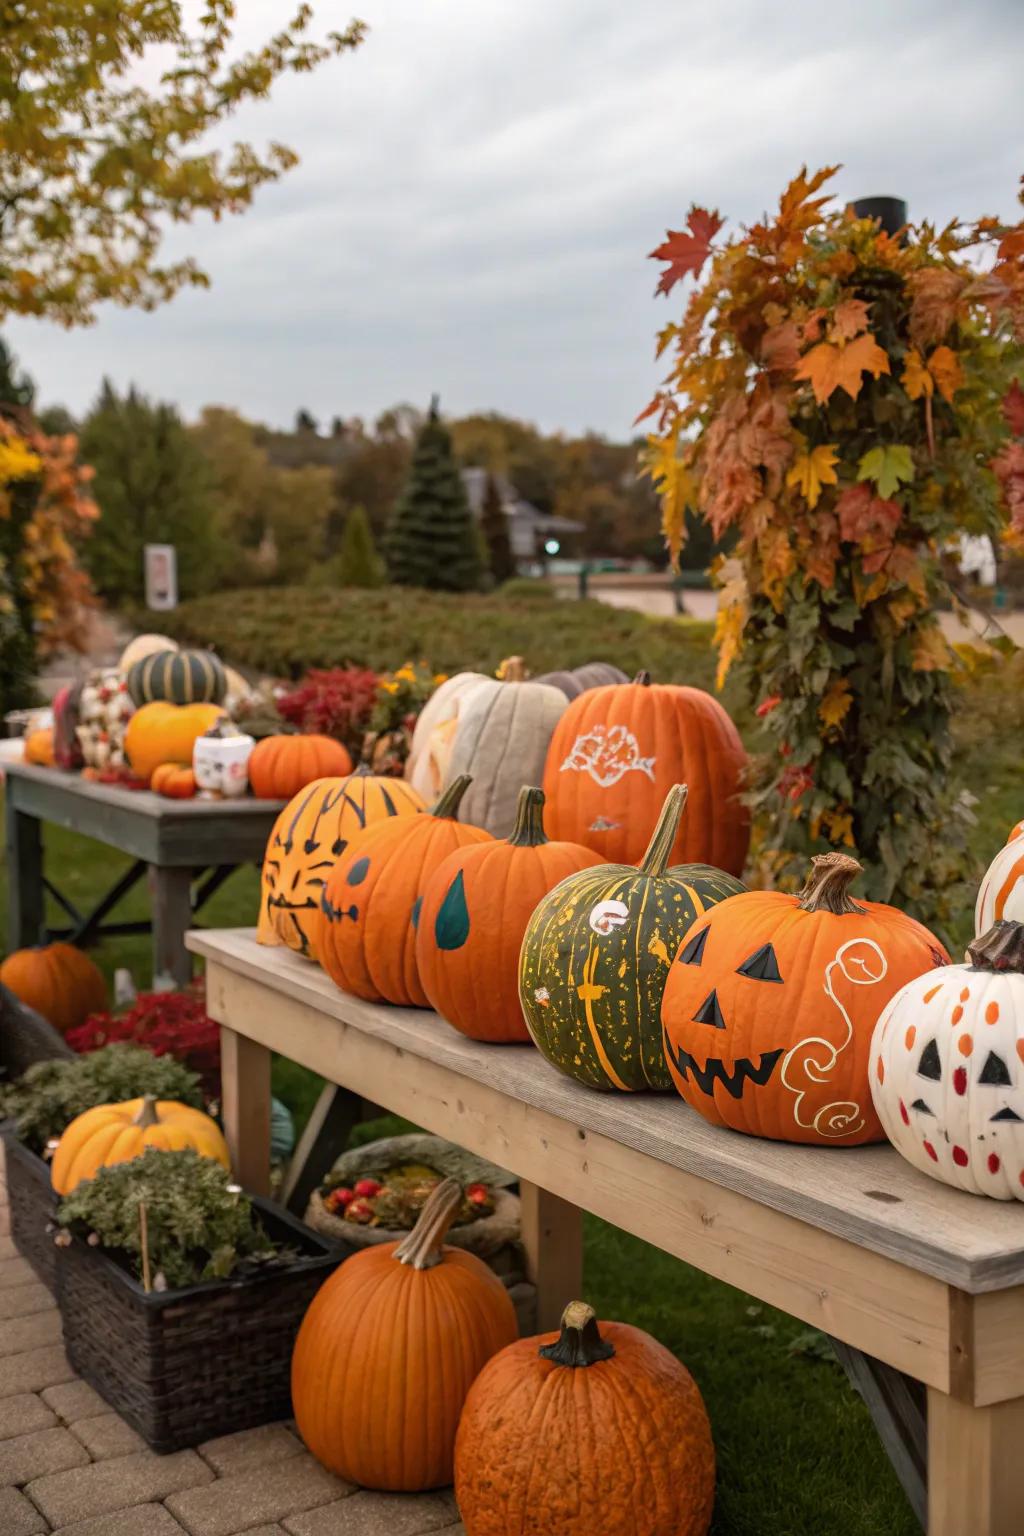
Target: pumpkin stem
1000,949
422,1248
447,806
580,1342
528,831
642,679
513,670
147,1115
656,858
826,888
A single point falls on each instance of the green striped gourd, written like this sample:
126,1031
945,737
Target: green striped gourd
177,677
596,958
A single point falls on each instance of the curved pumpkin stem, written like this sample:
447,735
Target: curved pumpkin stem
642,679
580,1343
828,884
422,1248
147,1115
447,807
1000,949
655,860
528,831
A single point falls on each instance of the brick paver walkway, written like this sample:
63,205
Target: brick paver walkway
68,1464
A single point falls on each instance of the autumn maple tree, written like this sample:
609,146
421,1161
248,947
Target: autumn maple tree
843,404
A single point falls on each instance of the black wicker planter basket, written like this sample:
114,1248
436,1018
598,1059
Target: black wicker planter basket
33,1207
187,1365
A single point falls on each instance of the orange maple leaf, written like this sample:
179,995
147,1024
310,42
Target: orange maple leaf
944,367
780,347
686,250
848,320
828,367
915,378
863,516
936,294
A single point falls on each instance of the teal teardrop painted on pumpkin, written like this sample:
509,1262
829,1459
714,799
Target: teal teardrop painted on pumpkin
596,958
451,925
178,677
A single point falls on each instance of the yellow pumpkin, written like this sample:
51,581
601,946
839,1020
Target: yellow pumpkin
165,733
115,1133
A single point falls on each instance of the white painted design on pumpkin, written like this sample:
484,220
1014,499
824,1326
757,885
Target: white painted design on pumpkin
608,754
1001,895
608,915
542,996
843,1117
602,824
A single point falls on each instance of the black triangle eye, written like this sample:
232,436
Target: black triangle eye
692,952
930,1065
995,1071
762,965
709,1012
1007,1114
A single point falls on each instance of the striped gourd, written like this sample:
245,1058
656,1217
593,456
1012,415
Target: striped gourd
596,957
177,677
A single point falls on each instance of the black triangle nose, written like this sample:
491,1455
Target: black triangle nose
709,1012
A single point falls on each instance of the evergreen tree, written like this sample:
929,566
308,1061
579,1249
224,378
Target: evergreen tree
494,525
432,541
357,563
17,635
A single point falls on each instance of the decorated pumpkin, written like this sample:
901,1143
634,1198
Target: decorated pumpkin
179,677
38,748
598,951
58,981
617,751
165,733
593,674
280,766
143,646
1002,891
174,780
115,1133
389,1349
947,1073
104,712
593,1429
771,1002
309,836
426,767
476,909
373,896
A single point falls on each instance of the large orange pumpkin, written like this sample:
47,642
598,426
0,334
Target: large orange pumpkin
597,1428
616,753
390,1347
116,1133
769,1008
475,911
309,836
280,766
165,733
373,896
58,981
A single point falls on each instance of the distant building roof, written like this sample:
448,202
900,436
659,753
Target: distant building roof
528,525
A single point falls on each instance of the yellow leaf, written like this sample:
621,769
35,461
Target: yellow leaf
932,653
916,379
675,483
944,367
812,470
835,704
732,614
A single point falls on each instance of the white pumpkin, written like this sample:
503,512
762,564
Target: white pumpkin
426,766
947,1068
1002,891
104,710
143,646
501,741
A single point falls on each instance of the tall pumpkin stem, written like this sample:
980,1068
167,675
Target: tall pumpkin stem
513,670
447,806
655,860
147,1115
1000,949
580,1343
528,831
422,1248
642,679
827,886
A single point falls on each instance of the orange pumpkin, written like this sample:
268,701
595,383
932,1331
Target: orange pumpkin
390,1347
373,896
175,780
594,1428
38,747
58,981
769,1008
116,1133
309,836
476,908
165,733
617,751
280,766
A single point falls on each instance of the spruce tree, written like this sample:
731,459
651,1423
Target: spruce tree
357,563
432,541
494,524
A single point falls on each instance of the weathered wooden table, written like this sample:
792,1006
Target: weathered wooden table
921,1286
186,847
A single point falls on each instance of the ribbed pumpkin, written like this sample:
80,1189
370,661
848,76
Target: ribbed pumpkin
174,780
769,1008
592,674
58,981
476,909
373,896
38,747
597,954
597,1429
426,767
178,677
281,766
390,1347
142,646
115,1133
309,836
1001,894
617,751
165,733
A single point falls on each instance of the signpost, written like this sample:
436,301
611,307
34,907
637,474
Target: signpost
161,567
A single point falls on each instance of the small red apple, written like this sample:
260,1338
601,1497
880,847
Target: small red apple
476,1194
367,1188
359,1210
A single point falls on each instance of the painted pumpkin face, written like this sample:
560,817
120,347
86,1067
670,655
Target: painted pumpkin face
1002,891
596,956
309,836
770,1005
947,1073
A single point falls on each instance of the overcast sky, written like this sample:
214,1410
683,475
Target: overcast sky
481,181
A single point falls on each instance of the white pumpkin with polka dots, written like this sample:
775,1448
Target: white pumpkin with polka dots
947,1068
1001,893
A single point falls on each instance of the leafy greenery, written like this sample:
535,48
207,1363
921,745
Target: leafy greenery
432,539
494,527
357,564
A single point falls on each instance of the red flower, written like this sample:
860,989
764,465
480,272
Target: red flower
767,705
167,1024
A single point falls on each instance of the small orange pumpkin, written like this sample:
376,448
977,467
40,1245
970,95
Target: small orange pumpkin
58,981
280,766
389,1349
175,780
38,747
115,1133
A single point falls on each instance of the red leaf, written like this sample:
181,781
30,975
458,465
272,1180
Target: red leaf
1013,408
686,250
865,517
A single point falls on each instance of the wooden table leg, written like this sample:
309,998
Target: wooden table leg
335,1115
975,1481
553,1244
171,894
245,1094
26,909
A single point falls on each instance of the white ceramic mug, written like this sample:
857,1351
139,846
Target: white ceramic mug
221,764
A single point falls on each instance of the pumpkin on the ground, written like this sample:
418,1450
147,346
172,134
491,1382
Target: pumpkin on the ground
179,677
115,1133
617,751
476,909
58,981
388,1350
771,1002
309,836
175,780
1001,894
373,896
38,748
165,733
597,1428
598,951
593,674
281,766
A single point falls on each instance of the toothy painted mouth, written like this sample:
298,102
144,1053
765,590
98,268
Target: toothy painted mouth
715,1070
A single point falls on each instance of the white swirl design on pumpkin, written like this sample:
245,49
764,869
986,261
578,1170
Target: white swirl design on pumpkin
816,1057
607,753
